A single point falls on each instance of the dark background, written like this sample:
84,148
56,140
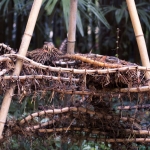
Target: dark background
97,37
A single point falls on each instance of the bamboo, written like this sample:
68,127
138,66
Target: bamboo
74,109
100,71
76,71
22,51
146,106
63,110
2,72
5,59
32,128
72,26
138,34
40,77
93,62
7,47
98,93
121,140
94,131
72,129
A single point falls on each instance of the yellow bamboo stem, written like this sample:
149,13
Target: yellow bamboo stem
74,109
93,62
95,131
138,34
22,51
72,26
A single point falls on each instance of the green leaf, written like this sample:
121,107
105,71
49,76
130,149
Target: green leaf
79,23
142,4
126,15
119,15
88,6
125,10
50,6
66,9
1,4
143,17
108,9
4,4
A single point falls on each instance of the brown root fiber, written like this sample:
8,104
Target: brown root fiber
108,97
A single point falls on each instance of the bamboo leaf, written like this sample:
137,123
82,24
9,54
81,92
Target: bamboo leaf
142,4
2,3
95,10
119,15
50,6
6,5
126,15
79,23
108,9
143,17
66,6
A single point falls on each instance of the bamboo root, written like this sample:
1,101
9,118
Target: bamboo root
94,131
7,47
74,109
92,62
34,77
78,71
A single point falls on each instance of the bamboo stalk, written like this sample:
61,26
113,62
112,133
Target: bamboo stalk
82,71
121,140
76,71
40,77
22,51
7,47
98,92
146,106
3,71
32,128
138,34
72,129
5,59
63,110
72,26
94,131
74,109
93,62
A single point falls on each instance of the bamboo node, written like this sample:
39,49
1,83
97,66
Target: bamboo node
2,122
28,34
139,35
